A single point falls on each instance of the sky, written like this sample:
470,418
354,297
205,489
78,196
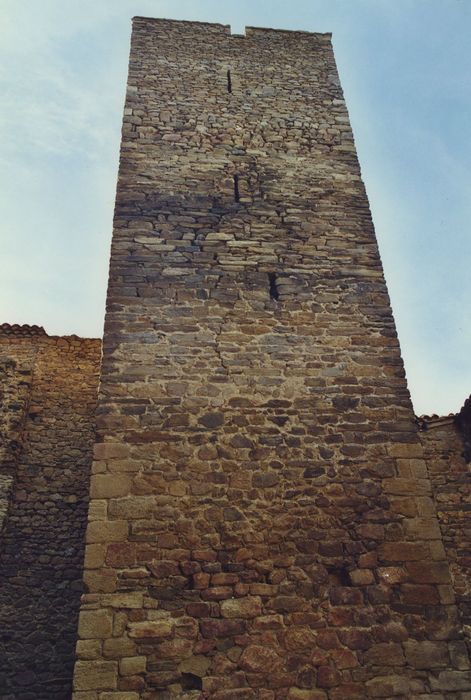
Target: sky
405,67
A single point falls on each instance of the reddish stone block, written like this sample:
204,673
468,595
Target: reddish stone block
320,657
327,639
344,658
412,594
215,593
189,567
224,579
284,603
175,649
341,617
428,572
131,683
221,628
298,638
356,639
402,552
327,677
163,569
198,609
385,655
120,554
259,659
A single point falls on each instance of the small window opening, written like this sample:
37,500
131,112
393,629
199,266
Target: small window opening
272,286
191,682
229,81
236,188
339,576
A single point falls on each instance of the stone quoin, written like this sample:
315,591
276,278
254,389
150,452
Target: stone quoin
267,518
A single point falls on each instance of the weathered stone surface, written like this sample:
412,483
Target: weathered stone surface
257,658
221,628
449,473
453,681
427,654
48,396
132,665
248,607
387,686
95,624
385,654
155,629
98,675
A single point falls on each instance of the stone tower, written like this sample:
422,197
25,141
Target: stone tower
260,525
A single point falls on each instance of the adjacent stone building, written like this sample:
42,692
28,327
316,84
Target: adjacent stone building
266,519
48,396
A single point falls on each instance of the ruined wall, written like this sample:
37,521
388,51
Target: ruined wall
48,395
444,447
261,522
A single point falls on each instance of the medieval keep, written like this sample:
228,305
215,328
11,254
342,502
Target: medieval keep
267,520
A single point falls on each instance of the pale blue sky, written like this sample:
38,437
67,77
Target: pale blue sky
405,66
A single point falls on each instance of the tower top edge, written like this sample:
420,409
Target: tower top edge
226,28
163,20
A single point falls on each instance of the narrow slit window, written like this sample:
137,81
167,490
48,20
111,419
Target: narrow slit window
229,81
236,189
272,286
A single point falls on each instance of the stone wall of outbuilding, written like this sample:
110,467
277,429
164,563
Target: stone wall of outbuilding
445,441
48,395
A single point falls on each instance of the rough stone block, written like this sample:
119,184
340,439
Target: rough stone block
95,624
132,665
88,649
131,600
427,654
403,551
387,686
256,658
151,629
454,681
110,450
94,556
107,531
95,675
100,580
248,607
428,572
109,485
385,655
118,647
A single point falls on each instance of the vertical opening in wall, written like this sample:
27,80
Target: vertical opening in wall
238,30
272,286
191,682
229,81
236,189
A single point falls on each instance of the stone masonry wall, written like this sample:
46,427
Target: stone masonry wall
48,396
451,485
261,521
